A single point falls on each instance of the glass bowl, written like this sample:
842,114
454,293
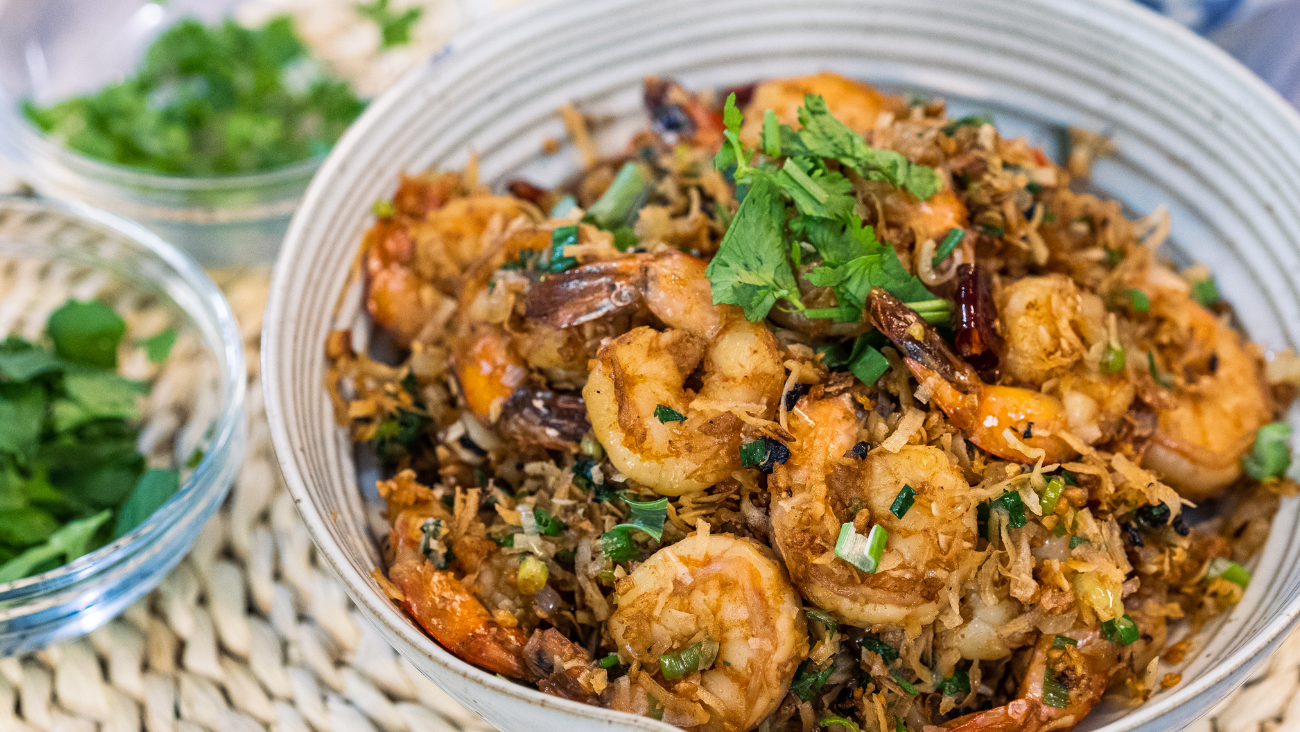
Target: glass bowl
55,49
46,245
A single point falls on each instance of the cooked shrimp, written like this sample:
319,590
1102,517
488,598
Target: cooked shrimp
1052,332
982,411
643,369
396,297
819,489
1083,670
725,593
1219,400
435,597
852,102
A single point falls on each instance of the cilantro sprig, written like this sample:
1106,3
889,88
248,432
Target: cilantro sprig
804,201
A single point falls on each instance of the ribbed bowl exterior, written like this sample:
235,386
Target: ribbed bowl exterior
1192,128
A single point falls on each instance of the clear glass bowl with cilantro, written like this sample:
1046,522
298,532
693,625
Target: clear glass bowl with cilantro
99,497
205,131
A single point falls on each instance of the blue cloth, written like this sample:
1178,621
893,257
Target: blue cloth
1262,34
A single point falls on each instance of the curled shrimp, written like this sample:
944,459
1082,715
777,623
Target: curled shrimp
855,104
819,489
1054,333
1218,401
1083,670
983,412
436,598
730,596
642,370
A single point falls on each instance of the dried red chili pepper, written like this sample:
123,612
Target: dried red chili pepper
976,339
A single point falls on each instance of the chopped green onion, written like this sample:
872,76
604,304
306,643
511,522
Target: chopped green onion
821,616
975,120
1055,694
956,685
1164,380
807,682
1138,301
887,653
609,661
1205,292
562,207
625,238
1011,503
771,135
1069,478
848,723
1270,456
937,311
949,243
863,552
667,414
906,497
548,525
1062,641
1059,529
1052,495
383,209
697,657
1120,631
1229,570
1113,359
533,574
554,259
647,517
902,682
898,725
612,208
753,453
1075,541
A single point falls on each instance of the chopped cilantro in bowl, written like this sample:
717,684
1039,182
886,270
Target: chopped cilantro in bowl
209,101
71,479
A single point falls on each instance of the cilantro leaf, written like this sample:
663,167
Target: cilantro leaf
159,346
394,27
830,138
28,363
27,526
820,193
22,411
67,544
153,489
751,269
86,333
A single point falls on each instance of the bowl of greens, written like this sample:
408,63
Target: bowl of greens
205,130
121,415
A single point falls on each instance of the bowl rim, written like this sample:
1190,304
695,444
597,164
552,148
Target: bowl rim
1136,21
206,475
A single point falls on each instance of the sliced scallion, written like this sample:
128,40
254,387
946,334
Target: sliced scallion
1113,359
1052,495
1062,641
903,683
949,243
612,208
609,661
844,721
1228,570
1270,456
906,497
863,552
1055,694
1120,631
696,657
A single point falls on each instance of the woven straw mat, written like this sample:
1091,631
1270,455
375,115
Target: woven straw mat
250,633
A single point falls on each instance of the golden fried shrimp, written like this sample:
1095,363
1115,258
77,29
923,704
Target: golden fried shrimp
1083,671
852,102
1219,399
441,603
1053,332
819,489
396,298
450,239
635,374
729,600
999,419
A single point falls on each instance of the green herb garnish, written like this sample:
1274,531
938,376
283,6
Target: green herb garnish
807,682
902,682
1055,693
842,721
548,525
1228,570
647,517
956,685
209,101
903,501
1120,631
1164,380
1205,292
1270,456
947,246
863,552
887,653
667,414
394,26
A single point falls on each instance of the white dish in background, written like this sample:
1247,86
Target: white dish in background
1193,129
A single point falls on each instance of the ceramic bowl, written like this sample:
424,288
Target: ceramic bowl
1192,128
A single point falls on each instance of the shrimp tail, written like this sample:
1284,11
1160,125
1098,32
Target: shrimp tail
586,293
903,325
455,618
